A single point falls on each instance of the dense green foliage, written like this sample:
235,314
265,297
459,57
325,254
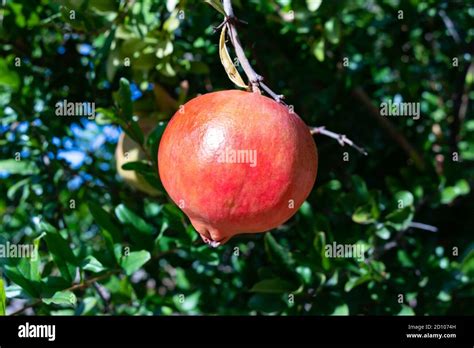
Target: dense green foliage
107,248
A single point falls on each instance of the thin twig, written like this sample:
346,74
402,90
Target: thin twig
253,77
450,26
341,138
382,249
104,299
422,226
256,81
75,287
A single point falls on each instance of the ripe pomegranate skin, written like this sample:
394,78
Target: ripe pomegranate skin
223,198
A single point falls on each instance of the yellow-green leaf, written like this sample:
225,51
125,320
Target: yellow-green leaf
217,5
313,5
2,298
318,50
226,61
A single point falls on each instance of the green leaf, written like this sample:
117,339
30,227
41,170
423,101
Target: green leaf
400,219
404,259
172,23
188,303
126,216
318,50
467,264
134,131
15,187
319,244
281,259
22,167
106,221
450,193
139,166
62,298
313,5
356,281
363,215
57,245
35,261
154,138
341,310
103,5
462,187
31,287
134,261
360,188
383,232
404,199
266,303
217,5
3,298
273,286
406,310
125,100
332,29
90,263
164,48
8,77
62,255
277,253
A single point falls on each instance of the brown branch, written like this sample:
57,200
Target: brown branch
105,301
75,287
256,81
388,127
341,138
230,23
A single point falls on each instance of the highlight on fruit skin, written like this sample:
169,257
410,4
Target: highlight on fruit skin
127,151
237,162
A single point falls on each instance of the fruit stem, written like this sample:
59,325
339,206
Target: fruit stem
253,77
256,81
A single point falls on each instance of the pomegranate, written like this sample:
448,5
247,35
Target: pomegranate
236,162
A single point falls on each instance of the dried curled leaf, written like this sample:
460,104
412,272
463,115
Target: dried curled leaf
226,61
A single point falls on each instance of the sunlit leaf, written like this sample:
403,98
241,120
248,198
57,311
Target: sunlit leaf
3,297
133,261
22,167
313,5
127,216
62,298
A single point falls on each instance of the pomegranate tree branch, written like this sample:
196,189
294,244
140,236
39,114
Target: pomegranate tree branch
255,79
422,226
79,286
341,138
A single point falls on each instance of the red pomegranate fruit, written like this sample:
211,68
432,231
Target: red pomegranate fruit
236,162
